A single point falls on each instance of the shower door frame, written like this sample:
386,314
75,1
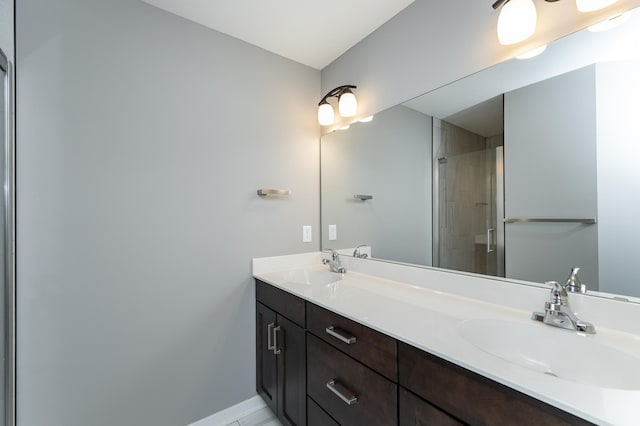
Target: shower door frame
9,181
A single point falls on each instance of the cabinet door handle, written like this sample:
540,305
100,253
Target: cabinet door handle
270,345
340,335
276,350
342,392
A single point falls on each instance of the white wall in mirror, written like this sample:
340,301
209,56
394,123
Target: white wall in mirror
389,159
550,173
618,134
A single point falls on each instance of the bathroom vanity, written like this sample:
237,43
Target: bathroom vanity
361,349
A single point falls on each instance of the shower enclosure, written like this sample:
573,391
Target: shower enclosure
468,201
7,244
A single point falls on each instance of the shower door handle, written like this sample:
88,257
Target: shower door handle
490,231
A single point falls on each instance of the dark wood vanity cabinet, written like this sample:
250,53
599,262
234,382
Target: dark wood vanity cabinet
281,377
318,368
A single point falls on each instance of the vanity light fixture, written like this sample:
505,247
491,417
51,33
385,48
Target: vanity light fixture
593,5
517,20
347,104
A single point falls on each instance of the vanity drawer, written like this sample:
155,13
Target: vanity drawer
470,397
316,416
284,303
368,346
377,398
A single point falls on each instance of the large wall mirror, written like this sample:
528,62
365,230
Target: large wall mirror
523,171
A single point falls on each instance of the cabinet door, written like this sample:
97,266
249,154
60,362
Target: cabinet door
292,373
316,416
415,411
266,371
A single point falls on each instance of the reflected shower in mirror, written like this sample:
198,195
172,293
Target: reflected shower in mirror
523,170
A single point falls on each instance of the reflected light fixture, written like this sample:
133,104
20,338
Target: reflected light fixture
347,104
593,5
517,20
533,52
610,23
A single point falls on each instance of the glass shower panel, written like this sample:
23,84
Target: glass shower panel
469,217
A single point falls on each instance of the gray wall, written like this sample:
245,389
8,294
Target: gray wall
142,139
550,149
432,43
390,159
618,106
6,27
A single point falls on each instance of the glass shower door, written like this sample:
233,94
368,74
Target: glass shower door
469,229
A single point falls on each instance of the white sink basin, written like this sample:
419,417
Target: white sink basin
558,353
311,276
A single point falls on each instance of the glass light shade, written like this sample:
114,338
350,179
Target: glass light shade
517,21
610,23
348,105
325,114
591,5
533,53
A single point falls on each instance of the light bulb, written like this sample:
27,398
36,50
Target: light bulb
592,5
347,104
517,21
325,114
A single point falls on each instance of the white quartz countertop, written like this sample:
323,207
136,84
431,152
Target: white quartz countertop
424,316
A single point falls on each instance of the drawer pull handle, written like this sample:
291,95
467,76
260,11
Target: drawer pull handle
338,334
276,349
269,332
341,392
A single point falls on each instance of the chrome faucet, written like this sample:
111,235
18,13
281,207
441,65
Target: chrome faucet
358,253
573,284
334,263
558,313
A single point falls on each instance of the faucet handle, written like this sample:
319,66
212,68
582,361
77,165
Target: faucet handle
573,283
358,253
559,296
334,254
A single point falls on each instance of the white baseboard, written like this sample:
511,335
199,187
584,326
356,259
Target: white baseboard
231,414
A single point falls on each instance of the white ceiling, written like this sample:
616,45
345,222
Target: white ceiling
484,119
312,33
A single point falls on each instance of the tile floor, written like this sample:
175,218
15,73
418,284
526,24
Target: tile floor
262,417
